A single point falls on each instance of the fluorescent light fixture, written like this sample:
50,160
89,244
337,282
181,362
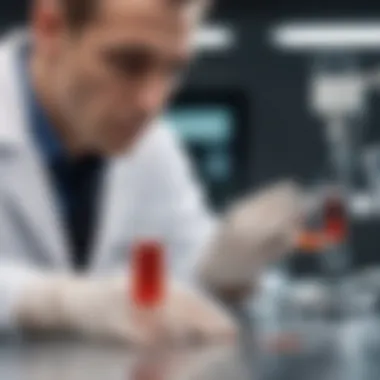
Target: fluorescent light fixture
327,35
215,38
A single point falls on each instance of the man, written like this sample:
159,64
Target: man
86,168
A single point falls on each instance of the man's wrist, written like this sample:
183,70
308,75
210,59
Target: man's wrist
42,305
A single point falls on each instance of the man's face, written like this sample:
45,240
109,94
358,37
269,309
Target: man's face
113,76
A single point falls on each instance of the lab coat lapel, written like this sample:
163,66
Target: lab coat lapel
31,198
28,190
115,216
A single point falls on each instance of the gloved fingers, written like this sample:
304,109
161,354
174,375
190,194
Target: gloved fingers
129,326
129,335
213,329
284,192
194,318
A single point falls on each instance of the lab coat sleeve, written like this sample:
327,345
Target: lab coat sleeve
15,275
187,222
13,281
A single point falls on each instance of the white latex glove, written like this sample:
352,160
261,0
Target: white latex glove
257,230
100,309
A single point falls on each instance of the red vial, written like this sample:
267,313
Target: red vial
335,219
148,274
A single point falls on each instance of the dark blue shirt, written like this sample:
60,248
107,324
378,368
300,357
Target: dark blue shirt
76,182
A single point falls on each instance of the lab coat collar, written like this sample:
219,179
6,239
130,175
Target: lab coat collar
13,115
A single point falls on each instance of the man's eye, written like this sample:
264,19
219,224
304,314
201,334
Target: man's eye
129,64
140,63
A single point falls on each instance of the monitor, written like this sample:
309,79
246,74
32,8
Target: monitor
214,128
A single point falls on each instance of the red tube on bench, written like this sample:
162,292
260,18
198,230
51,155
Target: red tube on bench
148,285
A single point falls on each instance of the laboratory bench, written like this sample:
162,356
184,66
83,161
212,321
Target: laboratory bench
340,349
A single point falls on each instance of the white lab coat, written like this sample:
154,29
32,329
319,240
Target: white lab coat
152,187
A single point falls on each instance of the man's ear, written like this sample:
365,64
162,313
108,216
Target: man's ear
47,17
201,8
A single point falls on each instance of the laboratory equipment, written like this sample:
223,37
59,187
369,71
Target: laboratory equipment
338,88
371,161
338,93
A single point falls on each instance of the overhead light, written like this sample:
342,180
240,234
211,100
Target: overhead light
214,38
327,35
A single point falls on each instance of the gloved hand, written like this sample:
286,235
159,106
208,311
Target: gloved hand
100,309
256,231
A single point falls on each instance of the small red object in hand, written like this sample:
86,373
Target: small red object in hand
335,220
148,274
311,242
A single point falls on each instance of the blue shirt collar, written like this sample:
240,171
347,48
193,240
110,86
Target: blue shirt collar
42,130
